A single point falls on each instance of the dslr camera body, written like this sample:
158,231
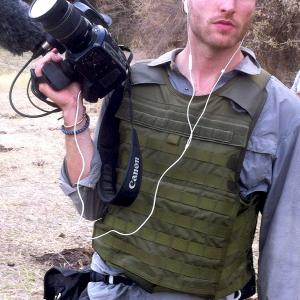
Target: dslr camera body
92,57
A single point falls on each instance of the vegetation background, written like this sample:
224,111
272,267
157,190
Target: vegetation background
39,227
152,27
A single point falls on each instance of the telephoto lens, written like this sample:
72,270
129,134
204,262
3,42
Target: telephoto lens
64,22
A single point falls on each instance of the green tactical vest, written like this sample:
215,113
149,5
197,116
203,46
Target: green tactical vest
199,238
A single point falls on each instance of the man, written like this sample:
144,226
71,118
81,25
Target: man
197,242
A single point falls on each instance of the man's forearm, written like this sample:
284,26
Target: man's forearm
78,156
68,100
74,160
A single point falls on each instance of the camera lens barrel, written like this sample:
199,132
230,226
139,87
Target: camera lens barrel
65,23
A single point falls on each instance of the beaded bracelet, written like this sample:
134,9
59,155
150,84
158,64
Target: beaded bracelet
78,131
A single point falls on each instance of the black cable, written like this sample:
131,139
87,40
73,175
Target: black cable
29,98
11,90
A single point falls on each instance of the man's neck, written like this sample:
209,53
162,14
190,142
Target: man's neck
206,65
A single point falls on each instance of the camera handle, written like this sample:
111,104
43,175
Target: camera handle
57,75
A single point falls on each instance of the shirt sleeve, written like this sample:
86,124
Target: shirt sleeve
279,262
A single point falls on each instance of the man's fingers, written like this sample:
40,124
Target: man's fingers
45,88
50,56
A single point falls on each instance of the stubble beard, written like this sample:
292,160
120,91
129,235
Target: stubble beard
220,41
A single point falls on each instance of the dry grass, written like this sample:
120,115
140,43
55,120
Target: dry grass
37,221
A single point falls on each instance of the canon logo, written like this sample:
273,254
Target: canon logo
135,174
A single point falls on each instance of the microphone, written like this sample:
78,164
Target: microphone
19,33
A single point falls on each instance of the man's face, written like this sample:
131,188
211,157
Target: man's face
219,24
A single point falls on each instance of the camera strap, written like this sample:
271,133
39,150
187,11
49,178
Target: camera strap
108,147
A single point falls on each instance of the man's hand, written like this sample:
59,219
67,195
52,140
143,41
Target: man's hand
66,99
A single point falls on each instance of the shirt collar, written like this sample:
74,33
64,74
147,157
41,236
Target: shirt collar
248,65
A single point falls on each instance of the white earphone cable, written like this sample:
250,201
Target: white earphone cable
79,98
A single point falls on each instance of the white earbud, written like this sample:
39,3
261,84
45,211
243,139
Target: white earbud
185,6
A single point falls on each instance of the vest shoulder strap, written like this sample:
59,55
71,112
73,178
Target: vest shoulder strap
248,91
141,73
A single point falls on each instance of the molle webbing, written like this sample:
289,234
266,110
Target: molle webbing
199,237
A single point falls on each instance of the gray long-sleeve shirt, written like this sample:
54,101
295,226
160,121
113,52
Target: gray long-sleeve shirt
271,164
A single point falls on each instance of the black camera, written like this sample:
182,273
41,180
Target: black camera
92,56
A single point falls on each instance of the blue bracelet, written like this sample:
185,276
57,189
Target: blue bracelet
78,131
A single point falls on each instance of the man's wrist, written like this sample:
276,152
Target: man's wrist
77,128
69,115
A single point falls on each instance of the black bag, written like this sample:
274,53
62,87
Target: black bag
65,284
68,284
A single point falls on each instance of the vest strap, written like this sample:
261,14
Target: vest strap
144,74
257,90
109,279
252,101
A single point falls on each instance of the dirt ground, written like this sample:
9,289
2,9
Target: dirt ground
39,226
